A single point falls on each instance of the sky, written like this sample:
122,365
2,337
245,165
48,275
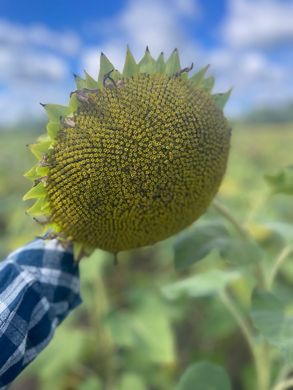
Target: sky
248,43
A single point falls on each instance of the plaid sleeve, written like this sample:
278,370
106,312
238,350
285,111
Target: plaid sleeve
39,286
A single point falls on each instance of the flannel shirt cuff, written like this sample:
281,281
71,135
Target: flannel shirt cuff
39,286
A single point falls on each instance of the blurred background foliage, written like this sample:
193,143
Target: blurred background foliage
143,322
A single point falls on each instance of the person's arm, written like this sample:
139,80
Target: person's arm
39,286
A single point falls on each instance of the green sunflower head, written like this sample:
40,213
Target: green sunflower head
134,158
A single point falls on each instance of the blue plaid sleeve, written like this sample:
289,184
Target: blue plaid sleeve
39,286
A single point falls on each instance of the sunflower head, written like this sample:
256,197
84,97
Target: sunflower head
134,158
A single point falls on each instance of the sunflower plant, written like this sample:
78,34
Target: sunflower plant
134,158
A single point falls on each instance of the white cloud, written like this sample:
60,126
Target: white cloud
38,35
33,68
259,23
256,79
23,66
188,8
21,103
113,49
158,24
34,60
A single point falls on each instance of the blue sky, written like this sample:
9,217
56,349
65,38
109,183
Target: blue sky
249,44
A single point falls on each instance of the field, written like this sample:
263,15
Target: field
132,332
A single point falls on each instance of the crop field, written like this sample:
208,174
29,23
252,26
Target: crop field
136,329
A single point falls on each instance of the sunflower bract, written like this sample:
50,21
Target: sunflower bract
135,159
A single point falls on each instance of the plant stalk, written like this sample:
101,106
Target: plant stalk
221,209
259,351
278,263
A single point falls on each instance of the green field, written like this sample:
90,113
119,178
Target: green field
170,335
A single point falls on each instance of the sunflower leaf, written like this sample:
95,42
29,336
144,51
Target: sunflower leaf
73,103
222,98
173,63
32,173
80,83
105,67
130,66
56,111
147,64
53,129
38,191
40,149
37,208
90,82
160,64
208,83
198,77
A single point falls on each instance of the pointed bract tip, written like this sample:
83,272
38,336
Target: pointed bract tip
43,105
147,49
102,54
175,50
75,75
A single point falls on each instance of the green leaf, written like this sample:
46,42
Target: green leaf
173,64
208,83
90,82
105,67
274,320
160,64
237,251
198,77
56,111
42,171
198,242
153,332
131,381
56,359
222,98
73,103
120,323
80,83
283,229
282,181
91,383
147,64
43,138
204,376
39,149
32,174
38,208
53,128
203,284
38,191
267,314
130,66
194,245
140,329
